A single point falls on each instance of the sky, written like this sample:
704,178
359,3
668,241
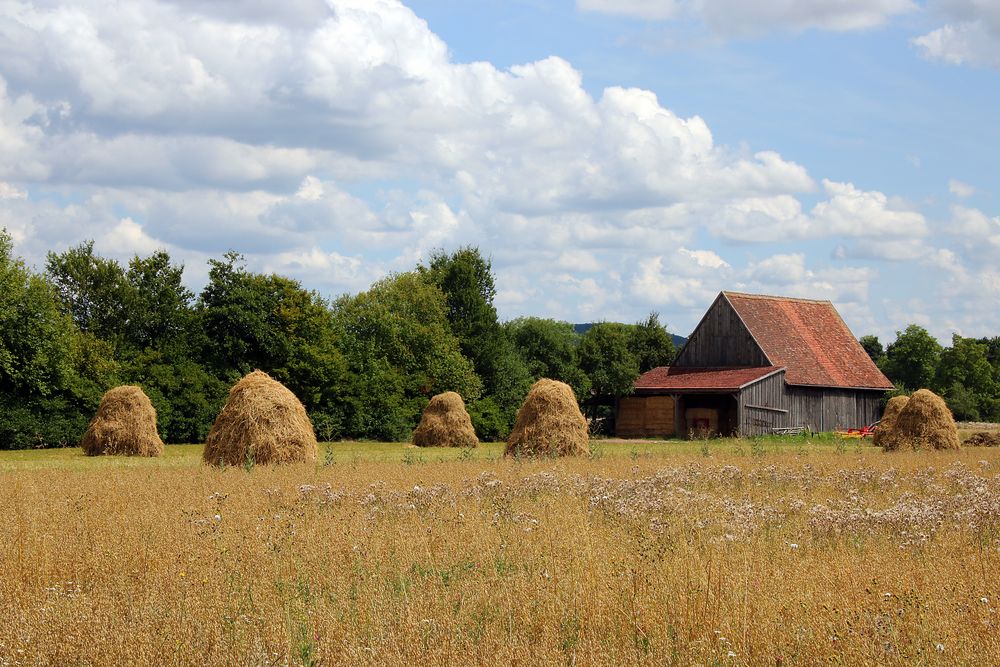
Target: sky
611,157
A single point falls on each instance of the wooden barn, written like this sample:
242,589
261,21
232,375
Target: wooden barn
755,364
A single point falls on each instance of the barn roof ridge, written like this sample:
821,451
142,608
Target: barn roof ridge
748,295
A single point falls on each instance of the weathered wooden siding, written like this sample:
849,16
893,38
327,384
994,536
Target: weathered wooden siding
764,405
645,417
721,340
829,409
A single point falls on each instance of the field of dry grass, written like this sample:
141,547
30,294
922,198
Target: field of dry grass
729,553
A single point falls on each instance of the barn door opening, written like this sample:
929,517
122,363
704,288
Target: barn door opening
709,415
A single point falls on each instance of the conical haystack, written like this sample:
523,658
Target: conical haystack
924,423
445,423
549,423
888,423
125,424
262,422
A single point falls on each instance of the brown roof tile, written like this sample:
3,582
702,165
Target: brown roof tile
810,339
687,378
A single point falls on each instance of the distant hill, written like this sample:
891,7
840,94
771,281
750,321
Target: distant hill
583,328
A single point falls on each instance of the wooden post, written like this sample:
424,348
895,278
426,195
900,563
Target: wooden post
679,425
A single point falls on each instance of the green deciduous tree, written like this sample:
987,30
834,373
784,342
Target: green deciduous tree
92,290
400,350
35,336
187,397
966,378
607,360
239,311
651,344
912,359
873,347
51,374
548,349
465,278
269,322
159,305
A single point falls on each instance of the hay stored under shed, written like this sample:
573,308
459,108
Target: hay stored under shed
262,422
445,423
549,423
924,423
124,425
888,422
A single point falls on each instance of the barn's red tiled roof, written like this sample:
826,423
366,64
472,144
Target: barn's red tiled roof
809,339
715,379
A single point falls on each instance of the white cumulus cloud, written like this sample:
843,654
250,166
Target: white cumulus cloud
971,35
854,212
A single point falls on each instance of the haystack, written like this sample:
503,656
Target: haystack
983,439
262,422
125,425
888,423
445,423
549,423
924,423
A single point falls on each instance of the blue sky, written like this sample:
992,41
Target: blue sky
612,157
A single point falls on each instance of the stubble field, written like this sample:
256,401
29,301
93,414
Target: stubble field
730,552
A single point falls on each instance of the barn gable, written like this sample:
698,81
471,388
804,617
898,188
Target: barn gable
721,339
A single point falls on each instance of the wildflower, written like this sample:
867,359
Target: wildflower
183,573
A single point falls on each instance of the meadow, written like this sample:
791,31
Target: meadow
777,551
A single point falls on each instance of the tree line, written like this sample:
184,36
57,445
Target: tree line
364,365
966,374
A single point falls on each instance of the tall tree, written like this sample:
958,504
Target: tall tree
35,338
92,290
401,351
873,347
51,374
651,344
967,379
159,305
548,349
607,360
271,323
240,315
466,279
912,359
992,351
